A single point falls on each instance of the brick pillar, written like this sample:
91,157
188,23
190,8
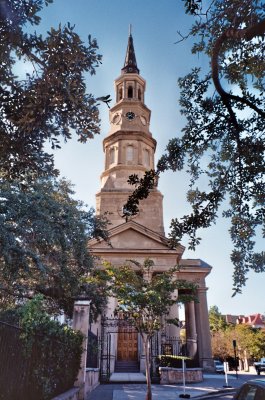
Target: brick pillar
81,323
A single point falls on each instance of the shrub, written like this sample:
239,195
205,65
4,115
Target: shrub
173,361
50,353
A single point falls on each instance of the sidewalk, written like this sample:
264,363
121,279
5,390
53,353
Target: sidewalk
212,383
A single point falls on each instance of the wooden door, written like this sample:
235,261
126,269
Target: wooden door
127,344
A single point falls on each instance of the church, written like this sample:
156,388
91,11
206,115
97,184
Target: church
129,148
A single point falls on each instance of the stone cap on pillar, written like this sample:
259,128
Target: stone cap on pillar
82,302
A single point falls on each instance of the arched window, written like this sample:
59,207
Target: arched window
146,158
129,153
130,92
139,94
120,94
112,155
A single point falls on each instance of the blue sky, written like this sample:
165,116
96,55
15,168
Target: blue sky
161,62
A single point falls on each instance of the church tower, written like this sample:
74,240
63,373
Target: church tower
129,149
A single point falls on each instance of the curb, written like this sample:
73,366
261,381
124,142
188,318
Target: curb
215,393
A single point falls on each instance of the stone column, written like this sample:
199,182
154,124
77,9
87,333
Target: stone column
191,332
106,157
203,329
81,323
140,153
173,330
119,152
125,95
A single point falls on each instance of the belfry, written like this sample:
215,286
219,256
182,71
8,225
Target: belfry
129,148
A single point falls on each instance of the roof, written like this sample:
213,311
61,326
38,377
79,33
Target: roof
130,64
254,320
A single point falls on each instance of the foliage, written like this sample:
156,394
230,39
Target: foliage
51,99
250,341
216,320
223,140
144,298
43,230
43,244
172,361
48,349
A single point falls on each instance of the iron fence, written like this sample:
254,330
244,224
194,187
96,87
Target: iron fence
92,350
160,345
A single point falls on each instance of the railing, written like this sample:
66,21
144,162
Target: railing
171,346
92,350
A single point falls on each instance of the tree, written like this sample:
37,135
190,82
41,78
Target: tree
44,231
47,103
250,341
145,299
43,244
220,339
224,109
216,320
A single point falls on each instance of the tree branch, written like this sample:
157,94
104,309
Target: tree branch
241,34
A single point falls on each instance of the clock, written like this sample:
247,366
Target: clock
130,115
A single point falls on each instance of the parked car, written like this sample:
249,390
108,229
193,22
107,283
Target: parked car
251,390
260,366
219,367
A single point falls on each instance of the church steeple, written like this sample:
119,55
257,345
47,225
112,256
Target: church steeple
129,149
130,64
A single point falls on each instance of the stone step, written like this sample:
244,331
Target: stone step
126,366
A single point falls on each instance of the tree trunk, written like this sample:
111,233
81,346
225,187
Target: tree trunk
146,341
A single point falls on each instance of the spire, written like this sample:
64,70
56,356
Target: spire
130,64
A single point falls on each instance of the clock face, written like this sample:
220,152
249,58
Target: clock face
130,115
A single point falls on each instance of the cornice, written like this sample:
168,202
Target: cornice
130,135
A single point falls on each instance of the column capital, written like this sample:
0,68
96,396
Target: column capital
202,289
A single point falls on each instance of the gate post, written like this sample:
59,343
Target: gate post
81,323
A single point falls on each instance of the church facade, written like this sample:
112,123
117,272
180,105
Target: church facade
130,149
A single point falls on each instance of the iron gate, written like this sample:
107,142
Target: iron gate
160,345
110,328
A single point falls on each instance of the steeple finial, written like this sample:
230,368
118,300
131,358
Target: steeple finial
130,64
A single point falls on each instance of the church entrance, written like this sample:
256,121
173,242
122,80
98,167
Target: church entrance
119,347
127,350
127,344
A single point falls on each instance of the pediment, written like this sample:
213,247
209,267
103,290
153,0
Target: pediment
131,235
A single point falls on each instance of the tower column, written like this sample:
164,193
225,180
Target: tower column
106,158
119,161
140,158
